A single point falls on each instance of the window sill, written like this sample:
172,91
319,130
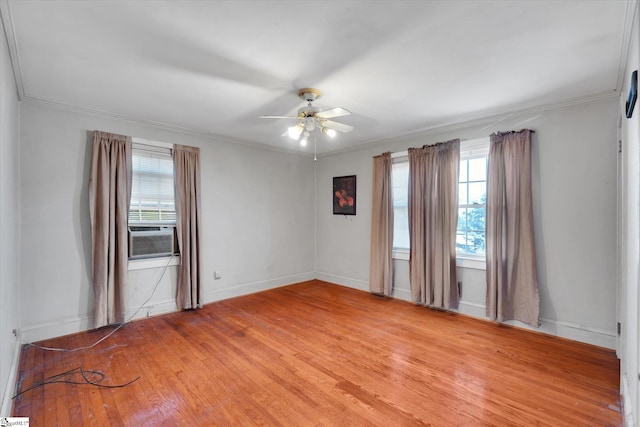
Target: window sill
160,262
476,263
400,254
461,261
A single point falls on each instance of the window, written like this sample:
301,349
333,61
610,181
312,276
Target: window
400,192
472,199
152,201
152,213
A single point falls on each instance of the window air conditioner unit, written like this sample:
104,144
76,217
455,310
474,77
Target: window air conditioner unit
145,242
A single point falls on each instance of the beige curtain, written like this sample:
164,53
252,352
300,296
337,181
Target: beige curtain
433,218
109,198
381,266
186,162
512,280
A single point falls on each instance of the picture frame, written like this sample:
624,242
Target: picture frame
344,195
633,94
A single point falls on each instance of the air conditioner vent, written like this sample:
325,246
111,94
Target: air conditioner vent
145,242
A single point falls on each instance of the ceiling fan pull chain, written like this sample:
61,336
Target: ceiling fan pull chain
315,157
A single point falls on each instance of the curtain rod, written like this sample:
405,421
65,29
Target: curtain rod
151,143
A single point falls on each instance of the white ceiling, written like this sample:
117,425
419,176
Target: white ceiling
399,66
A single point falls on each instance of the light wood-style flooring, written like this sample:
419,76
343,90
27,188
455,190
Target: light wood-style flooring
317,354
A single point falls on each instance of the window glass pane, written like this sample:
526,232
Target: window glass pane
152,187
401,228
463,170
400,183
475,243
472,190
462,219
478,169
462,193
461,242
478,192
475,219
470,237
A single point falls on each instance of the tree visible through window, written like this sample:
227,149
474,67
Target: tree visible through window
472,201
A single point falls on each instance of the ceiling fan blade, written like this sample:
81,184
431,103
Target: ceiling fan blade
333,112
277,117
340,127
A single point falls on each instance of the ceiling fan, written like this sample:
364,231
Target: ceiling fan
310,118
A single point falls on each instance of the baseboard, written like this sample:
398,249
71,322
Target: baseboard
472,309
626,404
574,332
402,294
343,281
154,308
43,331
74,325
250,288
10,386
571,331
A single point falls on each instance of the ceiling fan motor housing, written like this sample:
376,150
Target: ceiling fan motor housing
309,94
311,118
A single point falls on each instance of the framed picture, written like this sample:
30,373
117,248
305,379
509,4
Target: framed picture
633,94
344,195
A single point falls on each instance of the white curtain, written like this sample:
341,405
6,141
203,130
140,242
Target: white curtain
189,224
109,198
512,280
381,265
433,218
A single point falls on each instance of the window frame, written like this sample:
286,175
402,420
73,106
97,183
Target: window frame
474,148
164,154
396,158
469,150
153,261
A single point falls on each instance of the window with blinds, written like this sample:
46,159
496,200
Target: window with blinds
152,187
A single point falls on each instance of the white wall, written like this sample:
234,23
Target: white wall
629,230
574,191
9,226
257,229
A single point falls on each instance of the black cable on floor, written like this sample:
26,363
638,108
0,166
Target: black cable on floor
60,379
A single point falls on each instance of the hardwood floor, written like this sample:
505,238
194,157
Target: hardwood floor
316,354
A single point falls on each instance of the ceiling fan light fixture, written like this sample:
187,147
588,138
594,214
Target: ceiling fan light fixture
295,131
303,141
329,132
310,118
309,123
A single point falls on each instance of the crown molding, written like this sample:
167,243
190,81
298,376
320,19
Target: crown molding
14,57
488,120
630,19
167,126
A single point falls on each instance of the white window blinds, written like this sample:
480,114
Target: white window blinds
152,187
